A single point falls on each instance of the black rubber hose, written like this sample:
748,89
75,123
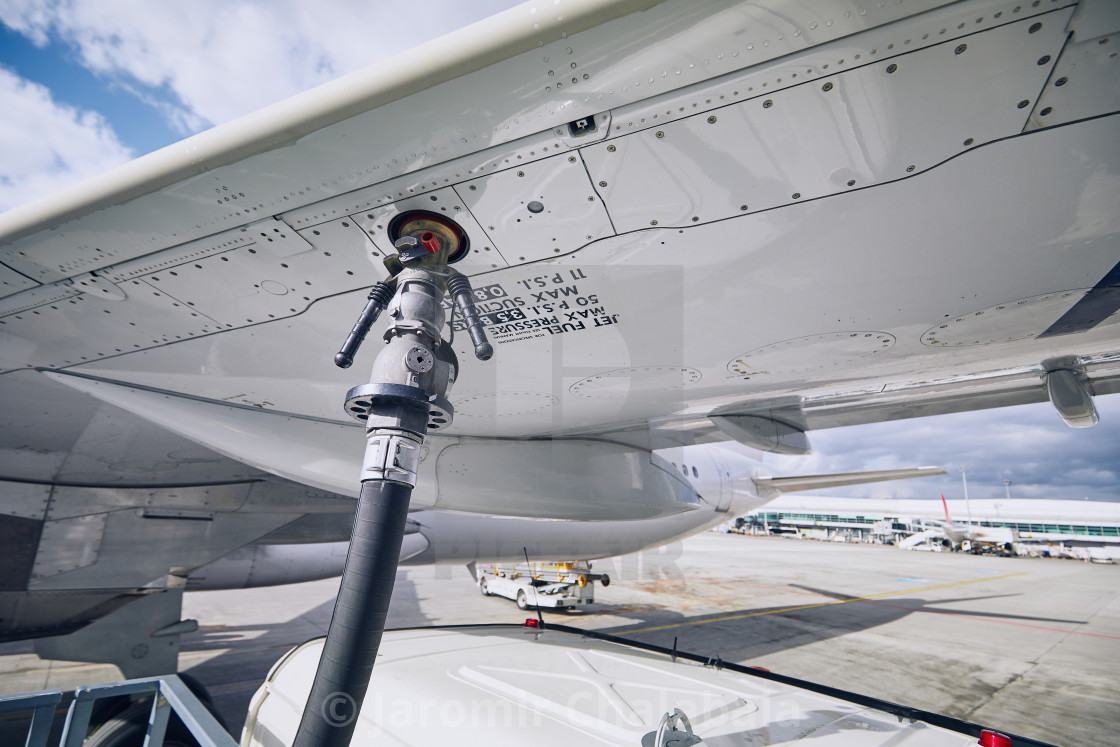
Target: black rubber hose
359,617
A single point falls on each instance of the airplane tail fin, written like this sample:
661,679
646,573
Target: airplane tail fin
946,507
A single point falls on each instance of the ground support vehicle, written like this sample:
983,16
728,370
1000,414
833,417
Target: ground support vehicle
555,585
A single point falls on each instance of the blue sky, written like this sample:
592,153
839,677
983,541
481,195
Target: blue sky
137,124
86,85
100,82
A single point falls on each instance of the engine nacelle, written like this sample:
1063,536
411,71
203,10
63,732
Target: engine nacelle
270,565
556,479
576,478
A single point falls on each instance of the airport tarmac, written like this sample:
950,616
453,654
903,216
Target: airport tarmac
1029,646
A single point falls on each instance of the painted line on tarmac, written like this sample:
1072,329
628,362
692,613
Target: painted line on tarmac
822,604
233,687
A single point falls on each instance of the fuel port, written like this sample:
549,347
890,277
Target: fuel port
427,227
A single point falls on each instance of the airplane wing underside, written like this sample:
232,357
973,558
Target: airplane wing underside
875,225
687,222
803,230
100,509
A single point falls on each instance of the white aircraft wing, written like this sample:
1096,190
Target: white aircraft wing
842,479
687,221
812,217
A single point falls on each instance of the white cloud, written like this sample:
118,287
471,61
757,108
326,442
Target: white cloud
1029,445
30,19
212,60
45,146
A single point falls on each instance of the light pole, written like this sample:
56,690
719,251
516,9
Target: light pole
967,507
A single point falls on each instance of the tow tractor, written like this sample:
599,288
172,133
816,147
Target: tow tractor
556,585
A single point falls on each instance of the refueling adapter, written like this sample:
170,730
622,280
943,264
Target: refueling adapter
406,397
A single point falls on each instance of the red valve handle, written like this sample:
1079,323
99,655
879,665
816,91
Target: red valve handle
430,242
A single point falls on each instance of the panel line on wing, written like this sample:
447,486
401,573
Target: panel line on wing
598,193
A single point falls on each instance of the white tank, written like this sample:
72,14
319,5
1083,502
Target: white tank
511,685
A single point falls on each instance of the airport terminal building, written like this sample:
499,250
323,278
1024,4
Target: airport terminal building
1070,523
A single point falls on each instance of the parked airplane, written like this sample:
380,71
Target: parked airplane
956,533
685,223
959,536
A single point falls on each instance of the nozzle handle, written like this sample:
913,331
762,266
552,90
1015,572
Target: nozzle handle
376,302
460,288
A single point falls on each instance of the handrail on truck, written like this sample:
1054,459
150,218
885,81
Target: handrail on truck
169,694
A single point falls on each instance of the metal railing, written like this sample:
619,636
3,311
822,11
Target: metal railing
168,694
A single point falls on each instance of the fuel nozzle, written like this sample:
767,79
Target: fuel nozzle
461,292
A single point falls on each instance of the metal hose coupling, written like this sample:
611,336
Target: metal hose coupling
379,297
460,289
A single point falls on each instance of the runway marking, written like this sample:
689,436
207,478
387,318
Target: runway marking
232,687
823,604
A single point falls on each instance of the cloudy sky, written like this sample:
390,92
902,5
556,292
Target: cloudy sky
100,82
1030,446
89,84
